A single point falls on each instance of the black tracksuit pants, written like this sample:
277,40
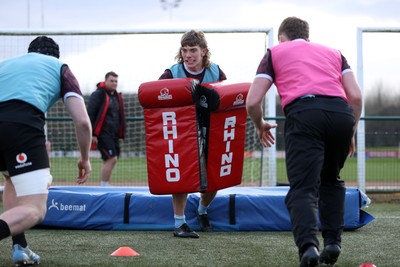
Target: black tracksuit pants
316,144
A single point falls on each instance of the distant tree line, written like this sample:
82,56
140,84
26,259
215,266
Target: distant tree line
382,102
378,132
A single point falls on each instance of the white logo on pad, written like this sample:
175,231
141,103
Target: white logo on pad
164,94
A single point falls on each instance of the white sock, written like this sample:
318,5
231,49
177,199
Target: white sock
179,220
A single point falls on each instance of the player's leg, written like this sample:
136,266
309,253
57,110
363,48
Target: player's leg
181,227
207,198
28,177
106,170
109,149
30,208
304,147
25,198
332,190
202,216
10,201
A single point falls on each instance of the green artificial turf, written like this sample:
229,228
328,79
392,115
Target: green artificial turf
377,242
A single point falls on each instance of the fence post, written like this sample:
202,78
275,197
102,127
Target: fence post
361,124
269,154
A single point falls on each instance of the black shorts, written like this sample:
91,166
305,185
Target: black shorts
22,149
108,146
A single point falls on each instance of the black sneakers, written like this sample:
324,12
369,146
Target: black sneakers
185,231
330,254
310,257
204,222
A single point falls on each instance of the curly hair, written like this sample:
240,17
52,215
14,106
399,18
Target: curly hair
194,38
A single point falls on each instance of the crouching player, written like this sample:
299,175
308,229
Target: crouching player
29,85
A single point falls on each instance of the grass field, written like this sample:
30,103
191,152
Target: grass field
133,171
377,242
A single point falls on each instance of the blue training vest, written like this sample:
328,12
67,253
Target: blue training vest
211,74
33,78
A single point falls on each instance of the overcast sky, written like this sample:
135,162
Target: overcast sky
332,22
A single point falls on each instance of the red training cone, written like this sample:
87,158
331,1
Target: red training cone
367,265
125,252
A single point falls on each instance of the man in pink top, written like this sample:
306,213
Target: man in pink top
322,103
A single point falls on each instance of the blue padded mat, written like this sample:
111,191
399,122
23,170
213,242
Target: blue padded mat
135,208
